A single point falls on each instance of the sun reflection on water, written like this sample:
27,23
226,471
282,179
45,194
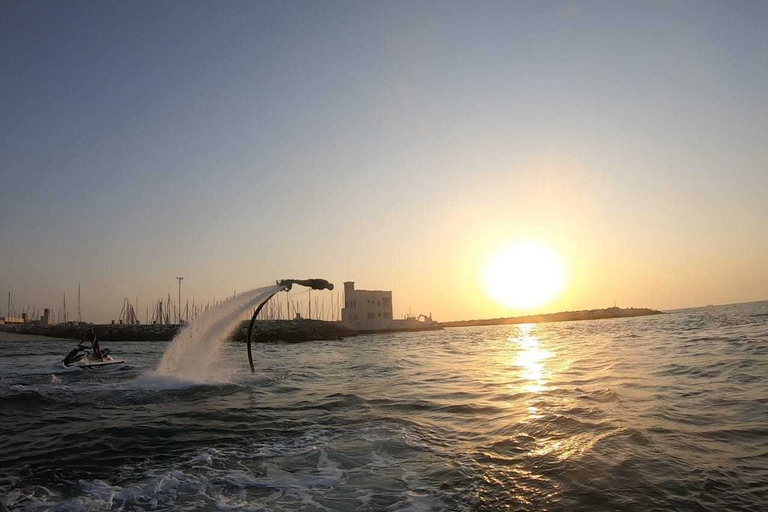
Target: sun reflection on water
535,373
530,360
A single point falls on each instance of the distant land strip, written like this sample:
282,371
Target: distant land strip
266,331
563,316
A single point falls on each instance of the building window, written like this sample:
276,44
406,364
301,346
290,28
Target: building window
379,303
379,315
386,315
386,302
346,305
370,316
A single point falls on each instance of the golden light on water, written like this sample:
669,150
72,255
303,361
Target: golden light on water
524,275
533,365
530,360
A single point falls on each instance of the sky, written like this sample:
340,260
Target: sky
394,144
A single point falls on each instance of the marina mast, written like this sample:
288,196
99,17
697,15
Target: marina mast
179,279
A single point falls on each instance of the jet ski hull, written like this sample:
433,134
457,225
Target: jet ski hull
93,364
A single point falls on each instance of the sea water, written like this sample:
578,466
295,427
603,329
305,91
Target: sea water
667,412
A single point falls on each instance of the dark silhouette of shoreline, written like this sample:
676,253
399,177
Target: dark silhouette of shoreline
289,331
295,331
563,316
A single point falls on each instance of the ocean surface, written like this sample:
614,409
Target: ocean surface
657,413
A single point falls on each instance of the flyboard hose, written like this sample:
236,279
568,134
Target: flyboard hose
285,285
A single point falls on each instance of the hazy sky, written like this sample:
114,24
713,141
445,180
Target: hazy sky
396,144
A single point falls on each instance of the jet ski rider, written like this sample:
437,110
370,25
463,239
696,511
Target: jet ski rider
95,345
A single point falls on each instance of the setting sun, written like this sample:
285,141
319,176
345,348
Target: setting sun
524,275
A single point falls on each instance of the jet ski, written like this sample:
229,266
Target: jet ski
81,357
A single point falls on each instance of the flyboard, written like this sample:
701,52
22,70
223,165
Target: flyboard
285,285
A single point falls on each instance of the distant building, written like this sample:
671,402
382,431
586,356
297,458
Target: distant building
23,319
366,309
45,320
371,310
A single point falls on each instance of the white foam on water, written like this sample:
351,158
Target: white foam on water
196,348
153,381
301,473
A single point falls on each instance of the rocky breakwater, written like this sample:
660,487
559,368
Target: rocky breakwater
265,331
563,316
105,332
292,331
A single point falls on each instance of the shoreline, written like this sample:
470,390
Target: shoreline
293,331
563,316
265,331
31,338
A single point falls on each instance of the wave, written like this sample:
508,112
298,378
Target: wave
24,398
253,477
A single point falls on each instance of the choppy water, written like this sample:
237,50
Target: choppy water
655,413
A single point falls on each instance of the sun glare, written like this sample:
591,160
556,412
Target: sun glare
524,275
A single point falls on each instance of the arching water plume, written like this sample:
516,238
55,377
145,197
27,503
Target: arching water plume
194,350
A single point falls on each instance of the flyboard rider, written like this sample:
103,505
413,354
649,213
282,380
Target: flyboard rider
314,284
